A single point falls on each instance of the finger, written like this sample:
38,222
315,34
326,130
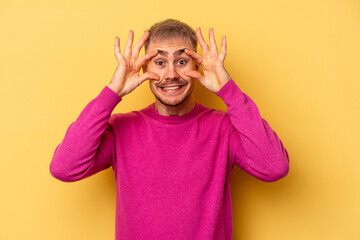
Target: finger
148,76
140,44
194,55
196,75
213,47
117,50
223,49
127,52
147,57
203,45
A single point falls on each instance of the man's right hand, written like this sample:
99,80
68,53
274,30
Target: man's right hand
126,77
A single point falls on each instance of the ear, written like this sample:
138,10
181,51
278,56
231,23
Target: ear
197,67
144,67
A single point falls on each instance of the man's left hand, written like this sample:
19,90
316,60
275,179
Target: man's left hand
215,76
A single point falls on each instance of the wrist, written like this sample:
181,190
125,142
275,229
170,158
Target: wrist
224,82
229,90
117,90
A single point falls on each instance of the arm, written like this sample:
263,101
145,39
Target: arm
89,143
254,146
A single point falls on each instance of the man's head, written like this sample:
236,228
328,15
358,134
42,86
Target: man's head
171,29
170,38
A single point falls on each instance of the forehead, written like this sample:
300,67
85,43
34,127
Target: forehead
171,46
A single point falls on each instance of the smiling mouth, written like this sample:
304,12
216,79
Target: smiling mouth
172,88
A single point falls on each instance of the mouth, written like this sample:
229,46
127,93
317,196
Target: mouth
172,89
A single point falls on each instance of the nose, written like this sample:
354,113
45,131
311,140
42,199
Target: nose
171,73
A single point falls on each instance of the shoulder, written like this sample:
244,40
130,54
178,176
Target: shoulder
211,111
128,118
214,115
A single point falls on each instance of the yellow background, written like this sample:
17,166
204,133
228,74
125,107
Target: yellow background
298,60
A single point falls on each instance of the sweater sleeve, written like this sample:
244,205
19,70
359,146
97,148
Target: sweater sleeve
89,143
253,145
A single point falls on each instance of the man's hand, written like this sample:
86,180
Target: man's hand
126,77
215,76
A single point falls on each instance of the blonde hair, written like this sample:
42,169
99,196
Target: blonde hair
171,28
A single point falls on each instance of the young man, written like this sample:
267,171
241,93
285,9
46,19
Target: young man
173,159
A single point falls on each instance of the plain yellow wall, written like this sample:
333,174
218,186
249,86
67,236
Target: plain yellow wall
298,60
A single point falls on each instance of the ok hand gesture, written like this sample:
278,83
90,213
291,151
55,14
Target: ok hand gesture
215,76
126,77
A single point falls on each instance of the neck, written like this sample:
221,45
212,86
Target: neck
181,109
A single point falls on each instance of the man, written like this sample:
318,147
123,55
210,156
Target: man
173,159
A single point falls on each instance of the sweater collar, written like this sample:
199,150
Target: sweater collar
152,112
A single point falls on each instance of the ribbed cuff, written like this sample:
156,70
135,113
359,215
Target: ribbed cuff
229,91
108,97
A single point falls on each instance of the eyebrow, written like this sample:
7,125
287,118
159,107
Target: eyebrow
176,53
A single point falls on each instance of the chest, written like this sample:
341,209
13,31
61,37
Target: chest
176,155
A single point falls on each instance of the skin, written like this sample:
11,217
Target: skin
170,63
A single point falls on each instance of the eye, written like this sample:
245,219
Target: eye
182,62
159,63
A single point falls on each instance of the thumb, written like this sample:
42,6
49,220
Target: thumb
148,76
196,75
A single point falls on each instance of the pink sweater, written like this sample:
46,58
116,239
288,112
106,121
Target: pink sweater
172,172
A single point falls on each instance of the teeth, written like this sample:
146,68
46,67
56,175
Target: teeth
171,88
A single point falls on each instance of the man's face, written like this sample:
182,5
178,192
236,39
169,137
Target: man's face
170,64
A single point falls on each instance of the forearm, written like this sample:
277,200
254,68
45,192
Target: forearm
256,148
88,142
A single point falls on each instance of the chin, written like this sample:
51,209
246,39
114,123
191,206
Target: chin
172,102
